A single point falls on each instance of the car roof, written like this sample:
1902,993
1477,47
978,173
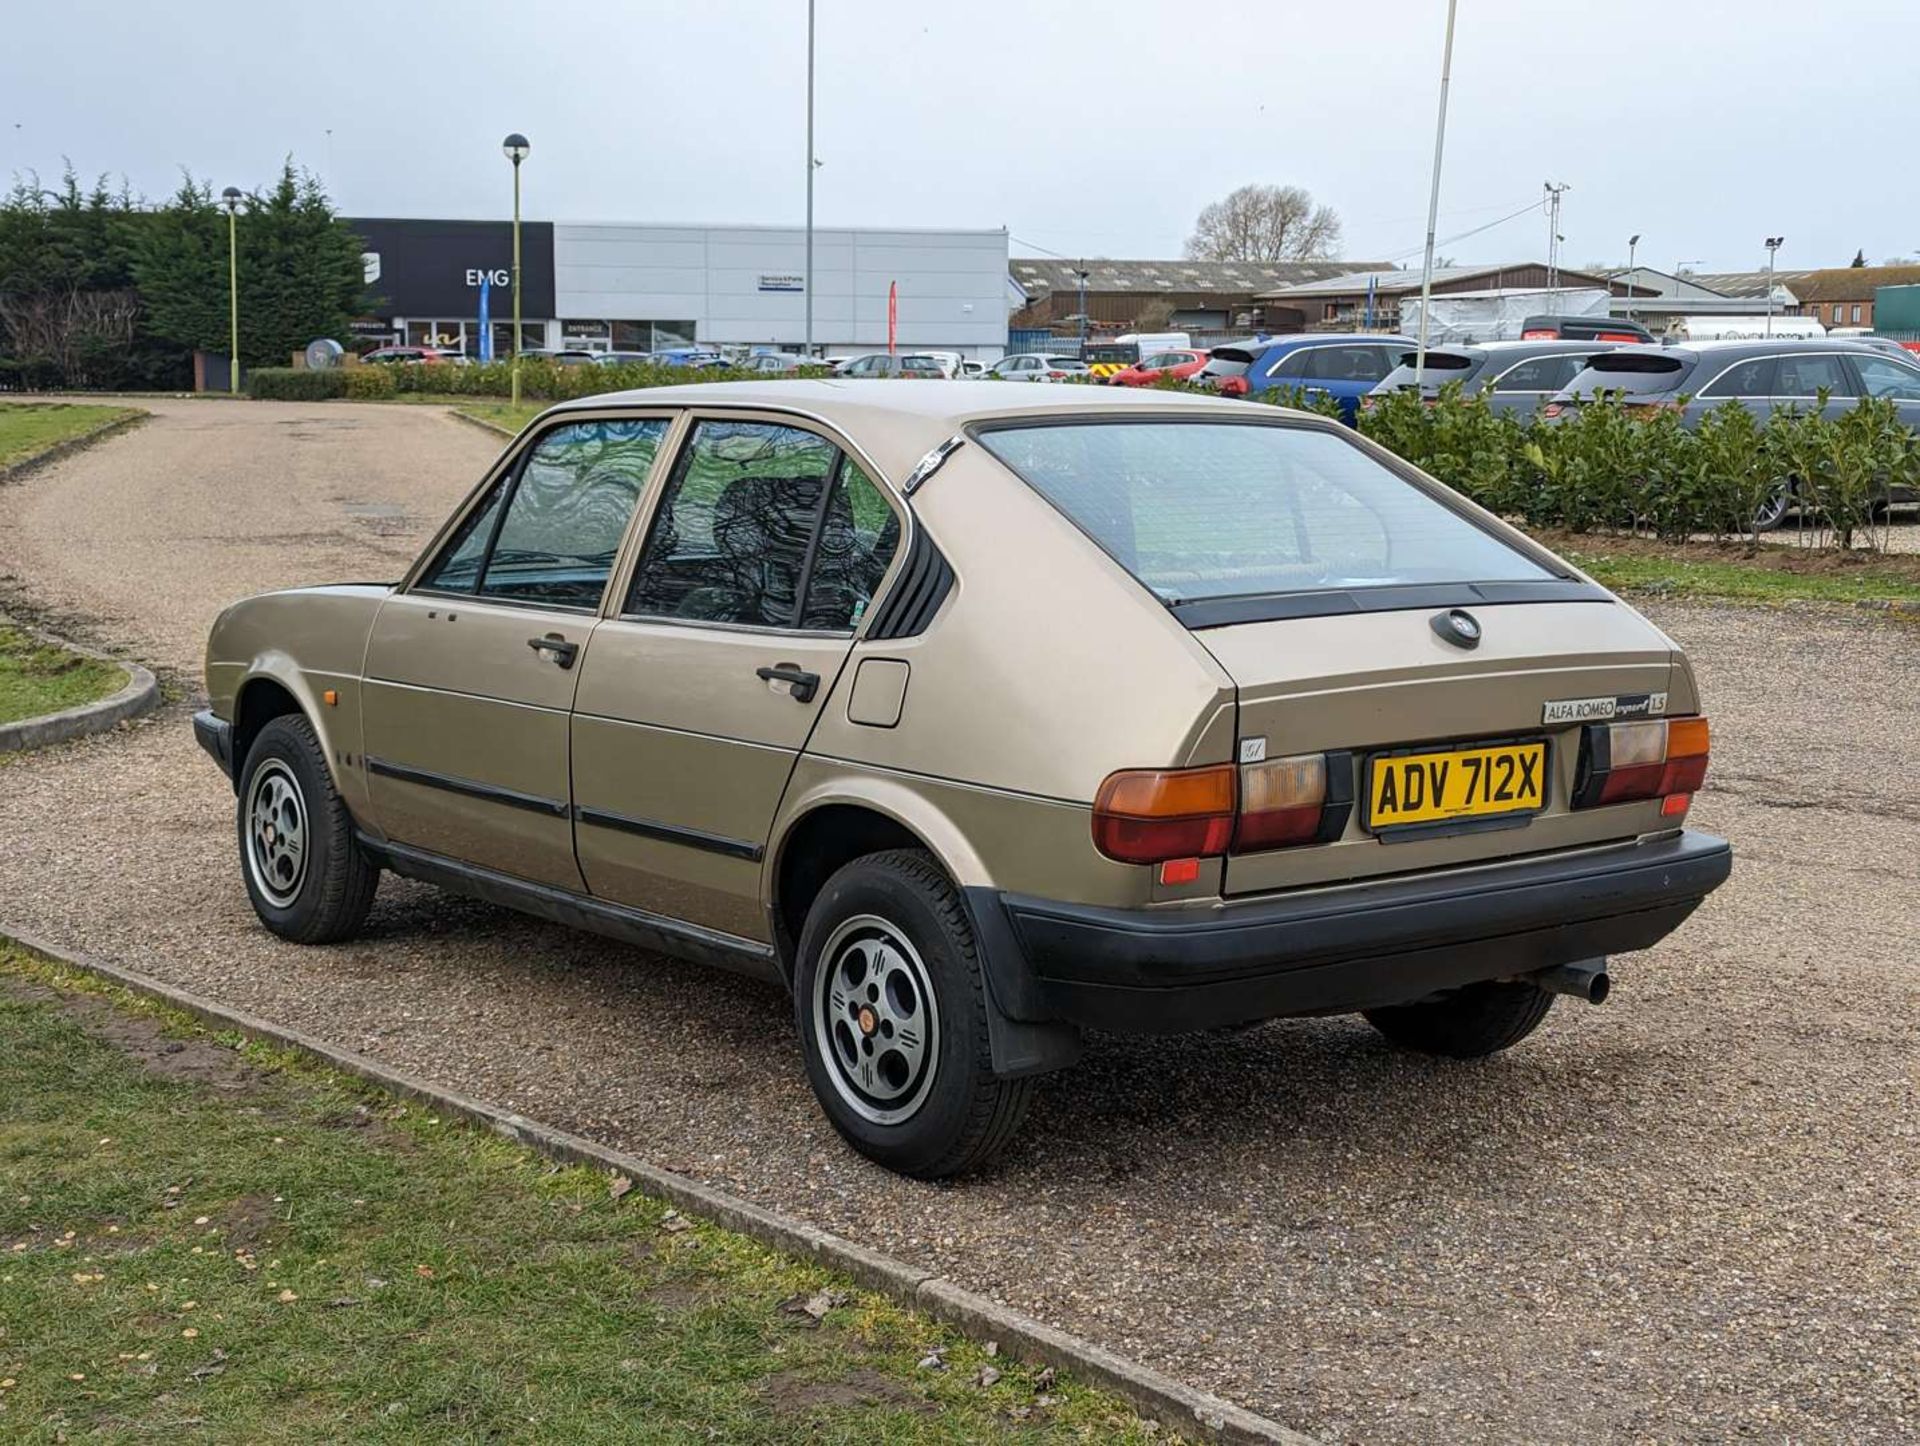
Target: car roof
897,424
1325,338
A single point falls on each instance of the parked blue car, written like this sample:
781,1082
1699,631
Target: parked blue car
1341,365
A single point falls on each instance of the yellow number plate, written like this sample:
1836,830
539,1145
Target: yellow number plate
1458,784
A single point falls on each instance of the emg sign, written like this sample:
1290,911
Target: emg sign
496,275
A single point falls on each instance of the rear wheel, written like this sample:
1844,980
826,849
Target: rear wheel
1772,512
892,1013
1478,1020
308,878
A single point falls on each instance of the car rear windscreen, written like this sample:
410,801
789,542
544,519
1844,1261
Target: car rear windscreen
1631,373
1442,367
1198,510
1228,361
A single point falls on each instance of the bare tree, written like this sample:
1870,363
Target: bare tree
1264,223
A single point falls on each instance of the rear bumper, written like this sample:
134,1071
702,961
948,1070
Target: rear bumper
215,734
1340,949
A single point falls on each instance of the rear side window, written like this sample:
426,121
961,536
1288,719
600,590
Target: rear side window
1631,373
762,526
1885,377
1200,510
1746,379
1810,373
1539,374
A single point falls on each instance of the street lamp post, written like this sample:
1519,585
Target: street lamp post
1773,245
515,149
230,198
1082,274
806,349
1633,274
1433,206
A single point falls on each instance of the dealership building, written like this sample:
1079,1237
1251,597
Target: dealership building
606,286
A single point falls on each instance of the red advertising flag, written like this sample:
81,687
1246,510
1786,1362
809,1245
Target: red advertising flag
893,313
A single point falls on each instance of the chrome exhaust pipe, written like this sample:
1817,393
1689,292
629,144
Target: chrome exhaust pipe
1582,981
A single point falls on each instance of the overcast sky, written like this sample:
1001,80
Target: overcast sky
1086,127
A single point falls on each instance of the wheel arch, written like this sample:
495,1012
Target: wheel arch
275,687
828,828
830,825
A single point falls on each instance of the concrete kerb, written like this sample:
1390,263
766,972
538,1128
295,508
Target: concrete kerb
70,445
140,693
491,428
1156,1396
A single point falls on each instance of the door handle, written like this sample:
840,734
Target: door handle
556,649
801,685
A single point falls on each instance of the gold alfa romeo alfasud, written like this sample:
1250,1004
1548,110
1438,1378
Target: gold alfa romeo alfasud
977,715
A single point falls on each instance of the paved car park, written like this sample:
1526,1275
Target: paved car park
1688,1214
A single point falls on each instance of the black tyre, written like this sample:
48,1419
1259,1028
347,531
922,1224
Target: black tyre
1478,1020
892,1012
308,878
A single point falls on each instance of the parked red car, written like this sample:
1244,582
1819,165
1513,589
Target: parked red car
1179,364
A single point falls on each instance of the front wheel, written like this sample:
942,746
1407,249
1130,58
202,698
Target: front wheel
892,1012
306,874
1470,1023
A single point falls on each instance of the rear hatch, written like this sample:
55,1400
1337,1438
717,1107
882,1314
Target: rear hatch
1638,376
1373,685
1442,367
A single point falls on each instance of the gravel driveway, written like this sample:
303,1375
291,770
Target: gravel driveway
1693,1214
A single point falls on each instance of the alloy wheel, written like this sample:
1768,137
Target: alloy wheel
876,1024
277,833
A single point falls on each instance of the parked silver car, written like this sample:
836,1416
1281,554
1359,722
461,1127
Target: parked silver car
1038,367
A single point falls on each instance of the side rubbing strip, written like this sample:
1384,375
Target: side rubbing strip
922,586
426,777
694,838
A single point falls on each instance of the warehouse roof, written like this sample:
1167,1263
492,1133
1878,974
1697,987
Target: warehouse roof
1037,274
1393,281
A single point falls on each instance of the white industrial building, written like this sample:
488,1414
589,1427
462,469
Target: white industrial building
628,286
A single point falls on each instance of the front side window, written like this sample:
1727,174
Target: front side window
1884,377
761,526
549,533
1200,510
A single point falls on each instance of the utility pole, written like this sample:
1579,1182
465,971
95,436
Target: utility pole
1554,192
807,281
1773,245
1433,207
1633,273
1082,274
231,198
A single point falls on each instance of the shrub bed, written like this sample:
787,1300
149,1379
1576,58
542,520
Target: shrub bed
295,384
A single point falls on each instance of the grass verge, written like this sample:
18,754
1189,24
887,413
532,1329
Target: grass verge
37,678
210,1238
29,428
1770,574
503,415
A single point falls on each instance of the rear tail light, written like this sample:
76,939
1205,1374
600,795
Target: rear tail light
1287,801
1539,334
1553,409
1149,816
1662,758
1142,816
1057,376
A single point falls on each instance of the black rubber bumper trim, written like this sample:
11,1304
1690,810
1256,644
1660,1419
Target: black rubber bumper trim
1351,947
215,734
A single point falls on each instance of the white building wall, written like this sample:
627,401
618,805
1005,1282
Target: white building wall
952,284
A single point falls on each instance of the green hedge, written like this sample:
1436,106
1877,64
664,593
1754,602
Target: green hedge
542,380
295,384
1607,465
